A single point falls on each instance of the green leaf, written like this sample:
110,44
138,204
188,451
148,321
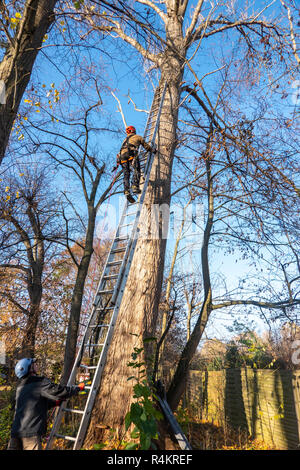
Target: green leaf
99,446
135,433
145,442
131,446
135,412
148,340
141,391
127,420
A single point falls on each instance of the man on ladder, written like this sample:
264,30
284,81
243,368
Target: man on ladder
129,156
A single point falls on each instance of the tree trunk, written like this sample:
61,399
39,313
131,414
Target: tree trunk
178,382
18,62
29,337
72,333
28,341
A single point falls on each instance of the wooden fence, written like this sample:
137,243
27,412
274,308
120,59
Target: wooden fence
265,402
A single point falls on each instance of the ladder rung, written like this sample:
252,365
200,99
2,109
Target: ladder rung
103,292
87,367
114,263
110,276
94,344
99,326
70,410
103,309
68,438
126,225
121,239
118,250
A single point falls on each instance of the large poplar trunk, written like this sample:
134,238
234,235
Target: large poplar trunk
18,62
139,308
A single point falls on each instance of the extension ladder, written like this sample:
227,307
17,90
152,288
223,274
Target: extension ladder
99,330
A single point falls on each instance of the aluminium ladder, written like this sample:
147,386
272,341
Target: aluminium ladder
99,330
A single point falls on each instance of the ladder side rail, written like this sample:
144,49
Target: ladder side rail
150,115
180,436
148,162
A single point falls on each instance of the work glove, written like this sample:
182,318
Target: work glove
81,386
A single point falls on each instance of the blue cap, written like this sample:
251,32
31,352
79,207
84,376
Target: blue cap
23,366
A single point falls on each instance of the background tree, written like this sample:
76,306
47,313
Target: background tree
23,26
28,214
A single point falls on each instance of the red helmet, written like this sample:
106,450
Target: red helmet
130,130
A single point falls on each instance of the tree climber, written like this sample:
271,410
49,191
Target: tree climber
35,395
129,156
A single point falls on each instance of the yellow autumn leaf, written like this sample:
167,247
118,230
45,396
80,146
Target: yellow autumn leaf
7,189
18,15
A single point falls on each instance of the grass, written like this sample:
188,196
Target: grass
205,435
208,436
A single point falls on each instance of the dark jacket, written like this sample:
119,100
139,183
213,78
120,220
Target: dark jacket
34,397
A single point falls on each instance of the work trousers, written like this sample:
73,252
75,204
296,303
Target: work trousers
126,166
25,443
